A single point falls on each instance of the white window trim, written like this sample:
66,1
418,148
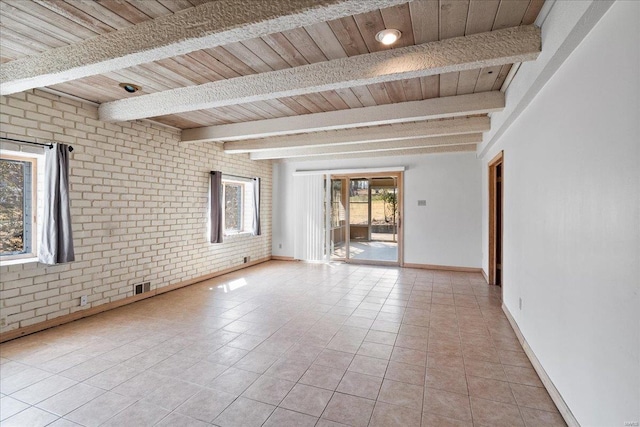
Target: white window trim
37,163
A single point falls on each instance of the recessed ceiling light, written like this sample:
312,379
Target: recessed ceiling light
388,36
129,87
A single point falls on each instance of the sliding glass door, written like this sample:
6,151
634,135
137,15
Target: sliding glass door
365,216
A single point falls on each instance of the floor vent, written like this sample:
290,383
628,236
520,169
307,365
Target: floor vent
141,287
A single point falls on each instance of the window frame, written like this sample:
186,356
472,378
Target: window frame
33,159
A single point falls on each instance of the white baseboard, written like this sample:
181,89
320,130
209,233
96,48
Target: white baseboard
548,384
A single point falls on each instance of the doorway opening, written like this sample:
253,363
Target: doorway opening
365,218
496,220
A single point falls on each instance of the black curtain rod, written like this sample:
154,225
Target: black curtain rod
50,145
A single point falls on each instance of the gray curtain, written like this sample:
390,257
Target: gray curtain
256,206
56,246
215,207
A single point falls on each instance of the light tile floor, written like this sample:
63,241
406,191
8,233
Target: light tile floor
284,344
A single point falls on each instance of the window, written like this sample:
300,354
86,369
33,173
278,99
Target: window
238,205
18,205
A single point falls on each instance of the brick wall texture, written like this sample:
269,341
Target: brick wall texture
139,209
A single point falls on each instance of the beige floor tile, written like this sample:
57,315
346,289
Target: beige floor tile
322,377
368,366
100,409
479,368
244,413
287,370
285,418
174,366
415,343
86,370
386,415
414,331
70,399
62,363
256,362
334,359
446,347
62,422
409,356
360,385
434,420
22,379
448,379
514,358
349,410
141,385
306,399
203,372
172,394
444,361
490,389
386,326
301,352
227,356
487,412
146,359
12,367
447,404
206,405
112,377
533,397
381,337
411,374
246,342
538,418
522,375
401,394
234,381
139,414
341,333
32,417
43,389
269,390
175,419
10,406
380,351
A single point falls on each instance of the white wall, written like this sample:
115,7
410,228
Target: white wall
445,232
572,222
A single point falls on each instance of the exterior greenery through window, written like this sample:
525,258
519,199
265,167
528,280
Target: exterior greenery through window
17,206
238,205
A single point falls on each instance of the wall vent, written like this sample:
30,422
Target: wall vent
141,287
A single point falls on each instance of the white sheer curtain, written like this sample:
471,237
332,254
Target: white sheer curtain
309,219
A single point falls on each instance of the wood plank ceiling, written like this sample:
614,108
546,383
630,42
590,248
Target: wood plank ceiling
35,26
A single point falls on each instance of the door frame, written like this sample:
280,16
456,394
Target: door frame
400,232
498,160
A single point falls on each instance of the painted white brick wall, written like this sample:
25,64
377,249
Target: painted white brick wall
139,209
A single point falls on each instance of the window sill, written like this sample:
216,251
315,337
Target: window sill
17,261
238,235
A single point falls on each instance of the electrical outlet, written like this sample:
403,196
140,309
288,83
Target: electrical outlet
520,303
3,321
83,300
246,259
280,246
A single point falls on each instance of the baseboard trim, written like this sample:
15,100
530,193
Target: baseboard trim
484,274
443,268
57,321
282,258
546,381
